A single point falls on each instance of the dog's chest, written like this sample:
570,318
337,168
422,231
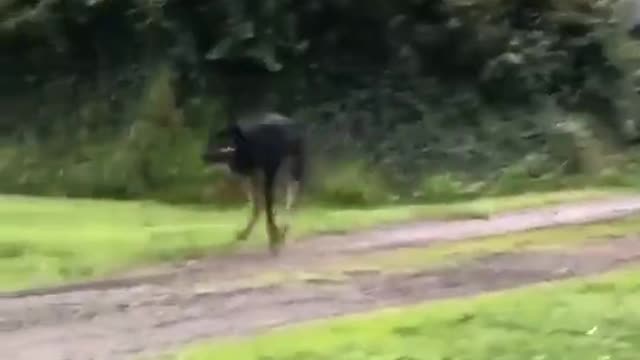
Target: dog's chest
242,163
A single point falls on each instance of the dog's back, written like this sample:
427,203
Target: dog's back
273,140
273,129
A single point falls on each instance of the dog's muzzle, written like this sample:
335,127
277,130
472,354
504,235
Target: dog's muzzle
218,155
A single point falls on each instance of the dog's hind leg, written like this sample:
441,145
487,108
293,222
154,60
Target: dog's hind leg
275,236
293,189
250,186
294,181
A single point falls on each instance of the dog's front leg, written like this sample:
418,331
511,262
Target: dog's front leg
250,186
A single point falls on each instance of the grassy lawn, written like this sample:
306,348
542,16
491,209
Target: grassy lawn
597,318
46,240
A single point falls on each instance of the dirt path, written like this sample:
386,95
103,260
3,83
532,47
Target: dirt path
171,308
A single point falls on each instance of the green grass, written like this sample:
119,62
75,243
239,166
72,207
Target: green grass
597,318
49,240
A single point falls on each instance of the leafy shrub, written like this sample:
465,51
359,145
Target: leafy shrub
447,187
350,183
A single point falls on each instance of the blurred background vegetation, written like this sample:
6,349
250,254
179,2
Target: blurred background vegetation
410,100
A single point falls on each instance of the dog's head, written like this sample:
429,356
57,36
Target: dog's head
223,144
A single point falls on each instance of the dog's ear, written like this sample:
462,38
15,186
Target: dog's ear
236,133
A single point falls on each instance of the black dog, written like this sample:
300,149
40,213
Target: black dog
256,153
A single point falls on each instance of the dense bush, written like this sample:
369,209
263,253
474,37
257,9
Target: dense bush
114,97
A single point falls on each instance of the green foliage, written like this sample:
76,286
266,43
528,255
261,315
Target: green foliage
574,143
447,187
155,156
113,98
350,183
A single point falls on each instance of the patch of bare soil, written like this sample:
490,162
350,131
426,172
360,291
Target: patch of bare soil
128,319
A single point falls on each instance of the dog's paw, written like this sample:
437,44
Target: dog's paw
284,231
276,239
275,248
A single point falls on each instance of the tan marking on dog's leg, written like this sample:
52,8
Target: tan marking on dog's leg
251,189
274,231
293,188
